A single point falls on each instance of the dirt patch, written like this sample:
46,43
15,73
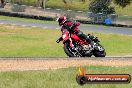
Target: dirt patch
22,65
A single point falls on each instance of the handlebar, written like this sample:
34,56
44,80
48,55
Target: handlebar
58,40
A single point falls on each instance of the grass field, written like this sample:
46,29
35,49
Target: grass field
27,41
61,78
76,5
26,19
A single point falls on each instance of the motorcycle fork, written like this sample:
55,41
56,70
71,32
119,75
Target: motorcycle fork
72,46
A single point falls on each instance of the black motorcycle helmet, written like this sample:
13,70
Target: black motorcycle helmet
61,20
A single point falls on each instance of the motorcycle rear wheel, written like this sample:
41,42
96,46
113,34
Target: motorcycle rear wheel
98,53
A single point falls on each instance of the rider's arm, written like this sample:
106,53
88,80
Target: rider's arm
68,25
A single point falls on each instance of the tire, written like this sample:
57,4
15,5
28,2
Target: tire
67,50
99,54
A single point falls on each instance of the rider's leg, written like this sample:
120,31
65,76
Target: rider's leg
83,36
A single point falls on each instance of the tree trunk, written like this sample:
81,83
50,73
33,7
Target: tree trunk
38,3
65,1
2,4
83,0
67,5
2,1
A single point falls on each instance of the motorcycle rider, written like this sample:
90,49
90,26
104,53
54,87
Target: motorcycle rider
71,27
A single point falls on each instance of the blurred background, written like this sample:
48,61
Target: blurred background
97,11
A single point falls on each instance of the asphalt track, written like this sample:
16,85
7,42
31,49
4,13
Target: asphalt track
91,28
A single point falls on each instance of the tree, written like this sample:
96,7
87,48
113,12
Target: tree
123,3
41,3
101,6
67,6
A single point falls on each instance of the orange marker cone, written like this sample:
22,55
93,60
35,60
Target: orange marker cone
81,71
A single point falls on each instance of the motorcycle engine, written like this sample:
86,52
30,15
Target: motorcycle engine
86,47
86,51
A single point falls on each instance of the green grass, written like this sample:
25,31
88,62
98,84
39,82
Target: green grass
75,5
61,78
116,44
26,41
26,19
124,11
37,42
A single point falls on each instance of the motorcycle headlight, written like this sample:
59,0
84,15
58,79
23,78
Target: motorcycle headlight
64,36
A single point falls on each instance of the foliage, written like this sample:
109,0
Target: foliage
101,6
123,3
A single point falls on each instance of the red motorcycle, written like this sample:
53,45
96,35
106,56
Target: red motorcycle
76,47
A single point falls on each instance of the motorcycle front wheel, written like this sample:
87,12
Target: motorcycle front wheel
69,51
